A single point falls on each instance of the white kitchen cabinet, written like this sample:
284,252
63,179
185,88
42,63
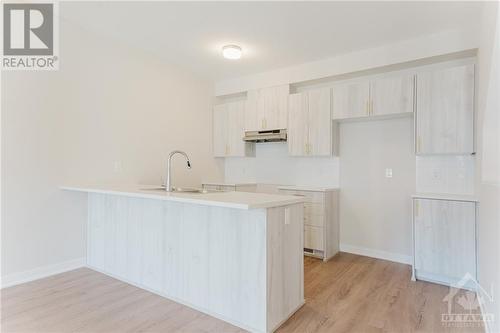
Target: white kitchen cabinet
228,132
392,94
220,132
321,221
378,96
298,127
319,120
267,108
444,239
309,123
351,100
445,111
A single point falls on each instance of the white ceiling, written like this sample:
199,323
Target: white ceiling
272,34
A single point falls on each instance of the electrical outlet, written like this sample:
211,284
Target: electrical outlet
388,173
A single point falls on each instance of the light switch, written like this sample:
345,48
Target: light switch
388,173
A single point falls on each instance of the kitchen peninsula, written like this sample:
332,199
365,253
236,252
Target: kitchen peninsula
237,256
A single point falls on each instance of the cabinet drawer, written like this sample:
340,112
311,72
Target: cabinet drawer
311,197
313,238
314,220
313,209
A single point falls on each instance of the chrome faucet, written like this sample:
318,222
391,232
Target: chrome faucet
168,184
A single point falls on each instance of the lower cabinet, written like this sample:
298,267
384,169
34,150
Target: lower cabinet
444,240
321,222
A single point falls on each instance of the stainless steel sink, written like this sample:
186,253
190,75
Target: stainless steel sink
189,190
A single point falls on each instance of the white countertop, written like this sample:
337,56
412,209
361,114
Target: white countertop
227,184
307,188
240,200
280,187
445,196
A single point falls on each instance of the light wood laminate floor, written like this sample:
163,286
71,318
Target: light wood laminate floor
347,294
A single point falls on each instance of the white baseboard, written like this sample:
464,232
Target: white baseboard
41,272
363,251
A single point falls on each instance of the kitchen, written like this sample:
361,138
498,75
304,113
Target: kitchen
311,186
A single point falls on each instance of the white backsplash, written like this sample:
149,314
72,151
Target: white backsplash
273,165
445,174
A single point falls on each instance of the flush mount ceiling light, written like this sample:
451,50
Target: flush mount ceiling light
231,52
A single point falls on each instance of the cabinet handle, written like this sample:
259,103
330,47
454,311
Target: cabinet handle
371,107
419,143
367,107
417,208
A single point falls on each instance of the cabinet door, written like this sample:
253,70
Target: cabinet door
235,129
267,108
282,93
314,238
392,94
298,130
351,100
445,238
445,111
266,101
220,133
251,117
320,124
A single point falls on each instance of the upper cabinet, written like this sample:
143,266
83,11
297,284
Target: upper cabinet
351,100
309,123
228,130
442,97
385,95
445,111
267,108
392,94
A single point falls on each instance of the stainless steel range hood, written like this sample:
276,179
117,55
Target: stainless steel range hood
265,136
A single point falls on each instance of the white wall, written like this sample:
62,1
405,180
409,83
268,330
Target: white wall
488,186
446,174
405,51
375,211
272,165
110,114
